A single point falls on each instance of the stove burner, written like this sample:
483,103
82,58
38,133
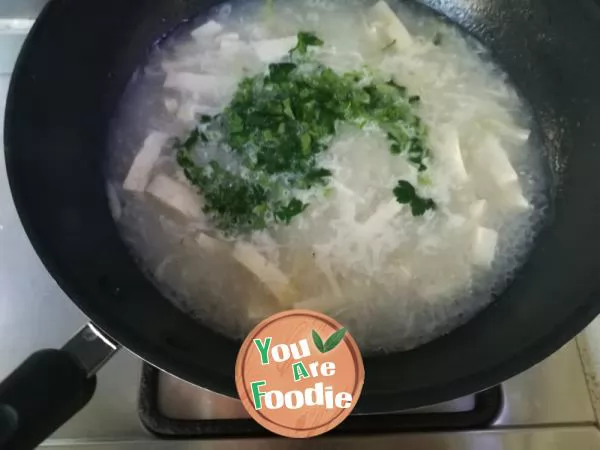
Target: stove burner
165,420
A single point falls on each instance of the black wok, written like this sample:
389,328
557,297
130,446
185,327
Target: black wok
65,88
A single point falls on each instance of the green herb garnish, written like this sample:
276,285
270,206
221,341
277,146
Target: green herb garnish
306,39
276,126
406,194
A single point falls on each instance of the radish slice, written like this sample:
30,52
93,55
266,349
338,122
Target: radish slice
139,173
513,196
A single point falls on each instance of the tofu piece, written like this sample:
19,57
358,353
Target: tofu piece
211,88
477,210
386,19
271,50
273,278
492,158
452,154
139,173
484,246
512,195
176,195
207,31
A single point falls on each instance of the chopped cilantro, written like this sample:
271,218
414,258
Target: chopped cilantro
275,127
279,72
293,208
419,205
405,193
306,39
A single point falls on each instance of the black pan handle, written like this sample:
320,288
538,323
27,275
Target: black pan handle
49,388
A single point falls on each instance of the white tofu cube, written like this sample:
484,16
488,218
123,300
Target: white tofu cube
176,195
273,278
492,158
484,246
451,153
271,50
497,178
207,31
139,173
477,210
512,196
386,19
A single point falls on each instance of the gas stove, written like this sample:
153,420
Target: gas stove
137,407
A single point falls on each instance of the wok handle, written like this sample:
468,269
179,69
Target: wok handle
49,387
